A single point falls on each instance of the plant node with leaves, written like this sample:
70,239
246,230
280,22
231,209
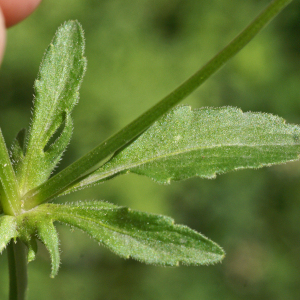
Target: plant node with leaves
165,143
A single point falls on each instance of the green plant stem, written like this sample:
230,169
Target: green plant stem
62,180
8,184
17,262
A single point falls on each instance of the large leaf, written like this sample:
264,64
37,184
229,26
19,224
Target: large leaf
57,91
203,142
149,238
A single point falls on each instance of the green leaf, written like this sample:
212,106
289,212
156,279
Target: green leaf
48,235
204,142
57,91
10,202
39,224
149,238
8,230
17,150
32,249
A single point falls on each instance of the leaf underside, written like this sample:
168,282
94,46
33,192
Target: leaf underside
149,238
203,142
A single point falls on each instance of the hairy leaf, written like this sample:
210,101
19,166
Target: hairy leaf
57,91
32,249
18,149
8,230
149,238
9,194
203,142
35,224
48,235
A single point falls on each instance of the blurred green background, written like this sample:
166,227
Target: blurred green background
138,51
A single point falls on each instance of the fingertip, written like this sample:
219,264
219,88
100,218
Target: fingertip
2,35
15,11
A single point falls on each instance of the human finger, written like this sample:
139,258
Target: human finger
15,11
2,35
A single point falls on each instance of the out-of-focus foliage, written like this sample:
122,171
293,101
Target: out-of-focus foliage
137,52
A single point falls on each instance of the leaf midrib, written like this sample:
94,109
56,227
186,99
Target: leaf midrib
172,154
111,228
31,152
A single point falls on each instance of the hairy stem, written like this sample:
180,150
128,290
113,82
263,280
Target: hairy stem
17,262
62,180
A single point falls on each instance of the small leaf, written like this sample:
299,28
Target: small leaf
149,238
32,249
36,224
57,91
203,142
48,235
18,149
8,230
